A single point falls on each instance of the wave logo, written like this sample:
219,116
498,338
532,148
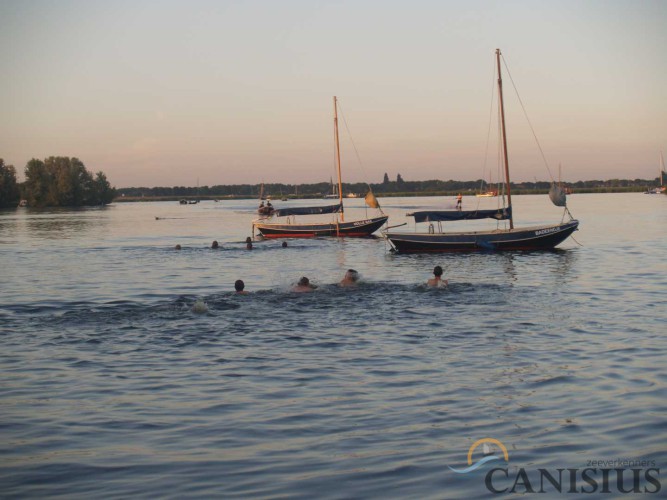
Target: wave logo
488,456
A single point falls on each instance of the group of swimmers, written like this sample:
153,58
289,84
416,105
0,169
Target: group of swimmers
350,279
216,246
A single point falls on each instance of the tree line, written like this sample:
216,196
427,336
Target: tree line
385,187
57,181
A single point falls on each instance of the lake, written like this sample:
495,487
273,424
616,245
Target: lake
112,386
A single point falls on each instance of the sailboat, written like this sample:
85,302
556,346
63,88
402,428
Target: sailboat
661,172
489,193
333,194
528,238
338,226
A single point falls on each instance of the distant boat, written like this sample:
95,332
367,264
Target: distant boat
334,192
265,210
528,238
661,172
183,202
23,203
337,227
487,194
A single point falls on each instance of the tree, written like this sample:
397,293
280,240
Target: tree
9,189
104,193
399,179
64,181
386,179
37,182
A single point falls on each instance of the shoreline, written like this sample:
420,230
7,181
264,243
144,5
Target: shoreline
515,192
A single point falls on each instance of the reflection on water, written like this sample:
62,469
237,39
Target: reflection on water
113,386
53,223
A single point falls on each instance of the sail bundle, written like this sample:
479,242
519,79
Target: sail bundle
557,196
455,215
327,209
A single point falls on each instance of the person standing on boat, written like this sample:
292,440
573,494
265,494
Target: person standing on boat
437,280
459,200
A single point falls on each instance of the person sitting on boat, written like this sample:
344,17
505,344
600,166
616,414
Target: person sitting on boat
459,201
261,205
350,279
239,286
269,206
304,285
437,280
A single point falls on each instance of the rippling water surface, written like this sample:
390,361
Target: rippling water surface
113,387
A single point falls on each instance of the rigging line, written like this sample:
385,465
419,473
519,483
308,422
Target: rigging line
546,163
354,146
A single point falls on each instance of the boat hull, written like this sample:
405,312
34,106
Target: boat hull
533,238
358,229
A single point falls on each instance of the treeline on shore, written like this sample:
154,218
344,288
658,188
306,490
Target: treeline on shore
57,181
399,187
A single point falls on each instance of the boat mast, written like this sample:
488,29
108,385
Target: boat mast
504,136
340,182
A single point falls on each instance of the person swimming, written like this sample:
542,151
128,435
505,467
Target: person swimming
437,280
215,245
177,247
248,243
304,285
284,245
239,286
350,279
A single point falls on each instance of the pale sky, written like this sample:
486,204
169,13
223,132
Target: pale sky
162,93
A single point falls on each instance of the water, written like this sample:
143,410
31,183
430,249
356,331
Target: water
113,387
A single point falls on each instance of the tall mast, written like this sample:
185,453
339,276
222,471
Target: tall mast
340,181
504,136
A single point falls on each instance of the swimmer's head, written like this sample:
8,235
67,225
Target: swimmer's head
304,281
352,275
239,285
177,247
215,244
284,244
437,271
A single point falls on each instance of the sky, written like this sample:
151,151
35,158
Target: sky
164,93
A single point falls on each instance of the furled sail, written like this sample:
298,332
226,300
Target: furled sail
328,209
454,215
371,200
557,195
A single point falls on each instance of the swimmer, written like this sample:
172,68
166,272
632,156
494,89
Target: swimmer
215,245
199,306
284,245
239,286
248,243
437,280
304,285
177,247
350,279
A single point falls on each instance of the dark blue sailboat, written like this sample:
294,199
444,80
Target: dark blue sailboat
527,238
336,227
